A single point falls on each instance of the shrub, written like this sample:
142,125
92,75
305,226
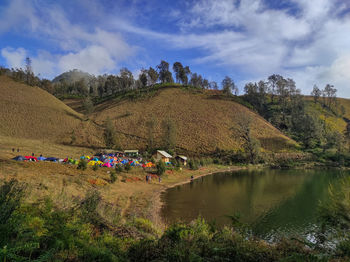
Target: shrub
160,168
113,176
82,164
95,167
192,164
118,169
127,167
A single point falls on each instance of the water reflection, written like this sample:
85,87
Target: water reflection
269,200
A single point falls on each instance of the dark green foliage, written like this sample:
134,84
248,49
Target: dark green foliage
113,176
160,168
192,164
82,164
95,167
127,167
229,87
41,232
165,75
119,169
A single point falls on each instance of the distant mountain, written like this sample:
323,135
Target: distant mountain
73,76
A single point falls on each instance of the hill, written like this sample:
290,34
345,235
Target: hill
29,114
73,76
204,121
335,121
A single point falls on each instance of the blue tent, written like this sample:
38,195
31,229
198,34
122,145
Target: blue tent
52,159
41,158
19,158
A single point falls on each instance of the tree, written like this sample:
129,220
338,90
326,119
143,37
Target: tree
229,86
165,75
213,85
169,136
88,105
152,76
251,145
160,168
143,77
150,125
29,71
178,69
126,79
329,95
316,93
110,134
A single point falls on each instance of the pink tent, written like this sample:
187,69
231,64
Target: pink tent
107,165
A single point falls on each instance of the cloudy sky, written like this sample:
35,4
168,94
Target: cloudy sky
307,40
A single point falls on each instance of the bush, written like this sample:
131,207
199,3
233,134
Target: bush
95,167
127,167
82,164
160,168
192,164
113,176
118,169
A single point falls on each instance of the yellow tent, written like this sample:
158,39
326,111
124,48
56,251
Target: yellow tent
92,163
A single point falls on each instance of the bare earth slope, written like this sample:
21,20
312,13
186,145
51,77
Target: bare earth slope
203,121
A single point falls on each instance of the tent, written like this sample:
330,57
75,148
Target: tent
107,165
41,158
20,158
52,159
31,158
92,163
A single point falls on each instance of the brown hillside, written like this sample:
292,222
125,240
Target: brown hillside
31,113
203,121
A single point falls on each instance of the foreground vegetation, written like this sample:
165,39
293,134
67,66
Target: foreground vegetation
44,232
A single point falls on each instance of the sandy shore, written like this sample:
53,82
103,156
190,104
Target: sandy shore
156,216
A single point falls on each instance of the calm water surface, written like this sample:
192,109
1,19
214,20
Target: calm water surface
273,202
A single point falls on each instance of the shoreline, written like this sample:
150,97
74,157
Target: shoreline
158,203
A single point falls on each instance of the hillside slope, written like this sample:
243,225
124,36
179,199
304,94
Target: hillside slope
334,121
203,121
31,113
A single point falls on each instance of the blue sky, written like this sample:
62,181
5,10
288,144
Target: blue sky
248,40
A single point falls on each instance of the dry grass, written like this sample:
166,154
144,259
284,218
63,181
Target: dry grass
65,184
31,113
203,121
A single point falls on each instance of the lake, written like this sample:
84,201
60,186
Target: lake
272,202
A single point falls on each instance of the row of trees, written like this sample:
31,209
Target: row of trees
110,84
281,103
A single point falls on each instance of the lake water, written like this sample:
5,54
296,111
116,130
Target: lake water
272,202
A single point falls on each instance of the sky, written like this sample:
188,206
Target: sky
248,40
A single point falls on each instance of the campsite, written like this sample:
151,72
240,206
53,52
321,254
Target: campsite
187,130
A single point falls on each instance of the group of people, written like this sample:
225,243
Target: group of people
149,178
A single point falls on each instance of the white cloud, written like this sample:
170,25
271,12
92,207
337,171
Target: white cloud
15,58
87,48
311,46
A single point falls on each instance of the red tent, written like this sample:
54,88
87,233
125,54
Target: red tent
31,158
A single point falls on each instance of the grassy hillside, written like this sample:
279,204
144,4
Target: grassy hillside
334,121
31,113
204,121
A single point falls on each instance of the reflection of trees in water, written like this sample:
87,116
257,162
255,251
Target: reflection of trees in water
256,195
299,213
